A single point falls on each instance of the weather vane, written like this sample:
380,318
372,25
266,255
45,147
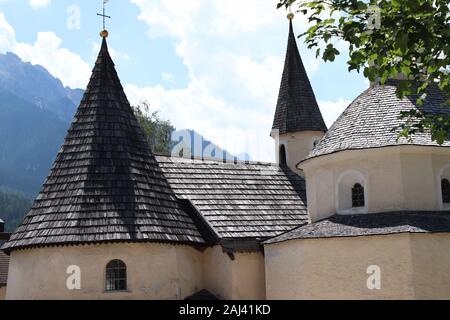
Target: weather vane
104,33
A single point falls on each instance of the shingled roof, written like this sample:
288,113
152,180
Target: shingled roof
368,121
105,185
370,224
240,200
297,108
4,266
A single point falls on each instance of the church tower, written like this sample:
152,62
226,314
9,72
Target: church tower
298,125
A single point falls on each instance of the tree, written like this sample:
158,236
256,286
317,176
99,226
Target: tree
388,38
158,131
13,207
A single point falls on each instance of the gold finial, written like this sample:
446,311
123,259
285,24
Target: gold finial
104,34
290,16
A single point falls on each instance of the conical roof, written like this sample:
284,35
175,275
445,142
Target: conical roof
105,185
368,121
297,108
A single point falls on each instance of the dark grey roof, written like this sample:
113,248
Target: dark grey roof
105,185
368,121
370,224
204,295
4,265
240,200
297,108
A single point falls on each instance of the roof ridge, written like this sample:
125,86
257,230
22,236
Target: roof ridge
263,163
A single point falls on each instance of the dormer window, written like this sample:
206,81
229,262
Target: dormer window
358,196
445,186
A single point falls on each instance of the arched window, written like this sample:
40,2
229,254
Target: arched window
358,196
283,160
116,276
351,193
445,186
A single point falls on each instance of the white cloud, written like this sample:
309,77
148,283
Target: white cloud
47,51
331,110
115,55
7,34
36,4
234,55
168,77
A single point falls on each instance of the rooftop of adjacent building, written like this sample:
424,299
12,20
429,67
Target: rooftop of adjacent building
369,120
339,226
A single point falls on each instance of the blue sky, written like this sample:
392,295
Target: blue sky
209,65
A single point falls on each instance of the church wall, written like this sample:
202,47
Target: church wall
217,272
396,179
418,181
155,271
241,278
413,266
298,145
337,268
431,260
249,279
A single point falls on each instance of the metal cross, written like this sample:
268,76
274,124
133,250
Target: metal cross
103,15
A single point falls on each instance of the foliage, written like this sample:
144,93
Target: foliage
388,39
13,207
158,131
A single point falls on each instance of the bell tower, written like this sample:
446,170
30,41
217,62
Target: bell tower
298,124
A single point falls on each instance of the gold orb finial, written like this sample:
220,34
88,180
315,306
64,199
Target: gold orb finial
290,16
104,34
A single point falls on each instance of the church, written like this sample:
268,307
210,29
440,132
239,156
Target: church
347,212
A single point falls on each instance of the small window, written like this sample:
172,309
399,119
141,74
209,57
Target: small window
358,196
283,160
445,191
116,276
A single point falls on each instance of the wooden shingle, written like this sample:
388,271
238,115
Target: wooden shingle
240,200
105,185
369,120
297,108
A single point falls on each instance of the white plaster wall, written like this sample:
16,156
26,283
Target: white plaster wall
412,267
298,145
240,279
336,268
155,271
397,178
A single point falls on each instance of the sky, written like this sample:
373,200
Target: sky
210,65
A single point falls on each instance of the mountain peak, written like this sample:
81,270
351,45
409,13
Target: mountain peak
36,85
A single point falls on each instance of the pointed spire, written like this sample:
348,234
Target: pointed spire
105,185
297,108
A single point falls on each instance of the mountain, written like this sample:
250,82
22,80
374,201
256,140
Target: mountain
13,206
35,114
203,148
29,141
34,84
